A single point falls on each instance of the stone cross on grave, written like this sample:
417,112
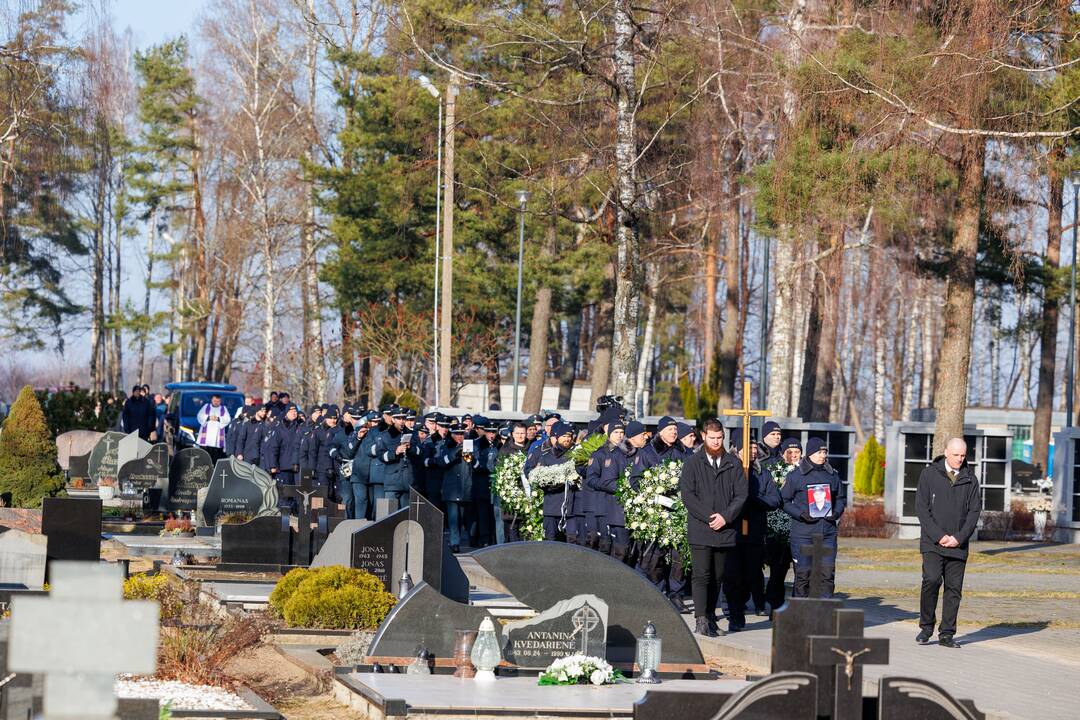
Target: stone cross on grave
816,554
585,621
80,637
304,518
848,651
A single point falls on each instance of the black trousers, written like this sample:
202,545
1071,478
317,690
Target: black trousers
935,569
743,580
801,587
551,528
708,565
778,558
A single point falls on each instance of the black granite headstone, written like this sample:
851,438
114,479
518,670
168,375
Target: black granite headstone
788,695
79,467
373,546
541,574
104,456
146,473
189,471
848,650
574,626
302,548
903,698
73,527
239,487
425,618
662,703
793,624
260,541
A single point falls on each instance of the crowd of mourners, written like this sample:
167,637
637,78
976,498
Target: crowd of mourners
738,523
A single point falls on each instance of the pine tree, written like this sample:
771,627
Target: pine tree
28,469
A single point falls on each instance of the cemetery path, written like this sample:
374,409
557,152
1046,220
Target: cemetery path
1019,623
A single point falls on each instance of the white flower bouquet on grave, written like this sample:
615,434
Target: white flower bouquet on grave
555,476
580,670
528,506
654,509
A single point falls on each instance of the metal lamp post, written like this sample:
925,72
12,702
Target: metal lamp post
523,199
426,83
1070,359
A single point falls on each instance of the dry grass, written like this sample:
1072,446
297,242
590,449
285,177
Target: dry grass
913,592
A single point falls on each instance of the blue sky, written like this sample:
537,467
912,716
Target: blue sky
151,21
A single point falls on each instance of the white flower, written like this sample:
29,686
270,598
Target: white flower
563,677
598,677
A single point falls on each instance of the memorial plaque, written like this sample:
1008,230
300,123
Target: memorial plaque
577,626
146,473
188,473
239,487
103,458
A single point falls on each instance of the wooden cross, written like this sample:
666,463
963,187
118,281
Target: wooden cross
746,413
816,553
848,651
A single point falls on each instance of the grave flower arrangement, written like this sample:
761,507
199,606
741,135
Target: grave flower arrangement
654,509
580,670
177,527
527,506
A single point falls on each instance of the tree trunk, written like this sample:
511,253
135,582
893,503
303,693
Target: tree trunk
950,391
627,242
151,244
731,330
494,382
708,334
313,385
568,371
926,380
601,357
348,358
538,332
1048,331
653,284
783,330
907,388
825,362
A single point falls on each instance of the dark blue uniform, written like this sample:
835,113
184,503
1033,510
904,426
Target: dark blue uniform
558,503
283,450
456,486
319,455
395,469
602,477
342,450
809,518
253,439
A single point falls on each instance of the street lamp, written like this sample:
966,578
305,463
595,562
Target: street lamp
425,82
523,199
1070,358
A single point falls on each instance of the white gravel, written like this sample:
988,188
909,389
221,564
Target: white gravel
183,696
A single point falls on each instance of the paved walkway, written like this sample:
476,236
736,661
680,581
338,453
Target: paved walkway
1020,625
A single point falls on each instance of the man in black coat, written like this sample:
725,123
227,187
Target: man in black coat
714,489
139,415
948,504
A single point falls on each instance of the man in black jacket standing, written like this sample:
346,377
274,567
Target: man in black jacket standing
948,504
714,489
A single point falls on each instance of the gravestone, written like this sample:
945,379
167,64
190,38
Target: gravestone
788,695
903,698
260,541
569,570
302,547
189,471
337,549
104,456
408,553
574,626
80,637
848,651
22,558
131,447
75,443
78,467
373,549
425,618
238,487
73,528
148,473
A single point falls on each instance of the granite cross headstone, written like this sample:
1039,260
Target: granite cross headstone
150,472
304,516
848,651
239,487
81,636
189,472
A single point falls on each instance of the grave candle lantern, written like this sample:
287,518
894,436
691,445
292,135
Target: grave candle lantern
648,655
485,654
